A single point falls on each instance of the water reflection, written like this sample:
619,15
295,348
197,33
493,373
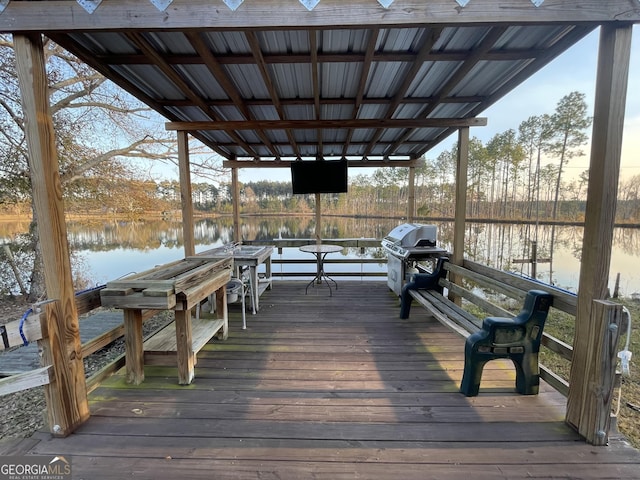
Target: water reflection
115,248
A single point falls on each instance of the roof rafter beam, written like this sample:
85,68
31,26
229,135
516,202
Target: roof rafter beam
571,38
273,93
487,43
366,68
334,143
410,162
225,82
315,81
125,84
329,101
429,42
328,124
180,83
347,57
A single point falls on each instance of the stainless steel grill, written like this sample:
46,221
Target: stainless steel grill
406,245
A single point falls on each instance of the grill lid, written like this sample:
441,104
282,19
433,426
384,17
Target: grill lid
413,235
412,240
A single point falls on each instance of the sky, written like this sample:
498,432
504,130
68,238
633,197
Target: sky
575,70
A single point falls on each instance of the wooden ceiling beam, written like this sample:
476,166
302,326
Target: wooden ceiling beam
575,35
432,37
333,143
315,82
68,16
266,78
325,101
225,82
329,124
362,85
472,60
127,86
180,83
255,163
347,57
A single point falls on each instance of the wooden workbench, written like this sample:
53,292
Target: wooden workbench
177,286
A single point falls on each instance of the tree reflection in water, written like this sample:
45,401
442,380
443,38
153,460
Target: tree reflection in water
114,248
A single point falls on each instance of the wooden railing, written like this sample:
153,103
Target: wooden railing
32,329
360,243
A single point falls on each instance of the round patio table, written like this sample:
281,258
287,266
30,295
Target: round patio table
321,251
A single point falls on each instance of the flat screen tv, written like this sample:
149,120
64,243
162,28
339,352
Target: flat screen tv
319,176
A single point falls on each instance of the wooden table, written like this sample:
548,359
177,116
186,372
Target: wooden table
321,251
177,286
247,256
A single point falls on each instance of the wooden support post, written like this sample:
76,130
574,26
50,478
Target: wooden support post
457,256
67,395
606,141
235,186
597,390
134,348
411,201
188,232
53,352
318,220
533,260
184,344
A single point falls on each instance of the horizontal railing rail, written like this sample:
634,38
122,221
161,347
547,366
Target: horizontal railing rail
360,243
298,242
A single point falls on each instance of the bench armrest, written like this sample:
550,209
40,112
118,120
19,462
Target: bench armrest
422,281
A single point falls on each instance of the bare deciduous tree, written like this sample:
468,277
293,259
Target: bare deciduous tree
101,133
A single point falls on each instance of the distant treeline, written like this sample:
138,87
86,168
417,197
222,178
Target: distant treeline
383,193
518,175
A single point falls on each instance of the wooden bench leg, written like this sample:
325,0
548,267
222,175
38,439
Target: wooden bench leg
134,352
222,312
184,347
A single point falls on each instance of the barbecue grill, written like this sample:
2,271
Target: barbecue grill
406,245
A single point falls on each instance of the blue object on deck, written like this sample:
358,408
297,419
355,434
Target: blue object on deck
517,339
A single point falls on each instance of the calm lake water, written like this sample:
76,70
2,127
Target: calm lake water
112,249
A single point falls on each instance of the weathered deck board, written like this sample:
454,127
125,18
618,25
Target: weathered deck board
331,387
26,358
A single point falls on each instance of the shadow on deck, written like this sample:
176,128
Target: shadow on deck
331,387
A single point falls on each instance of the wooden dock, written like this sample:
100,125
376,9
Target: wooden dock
26,358
331,387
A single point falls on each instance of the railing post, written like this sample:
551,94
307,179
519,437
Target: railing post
594,393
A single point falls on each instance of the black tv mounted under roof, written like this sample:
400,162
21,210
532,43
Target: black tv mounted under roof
319,176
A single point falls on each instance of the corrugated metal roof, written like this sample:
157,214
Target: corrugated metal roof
346,75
